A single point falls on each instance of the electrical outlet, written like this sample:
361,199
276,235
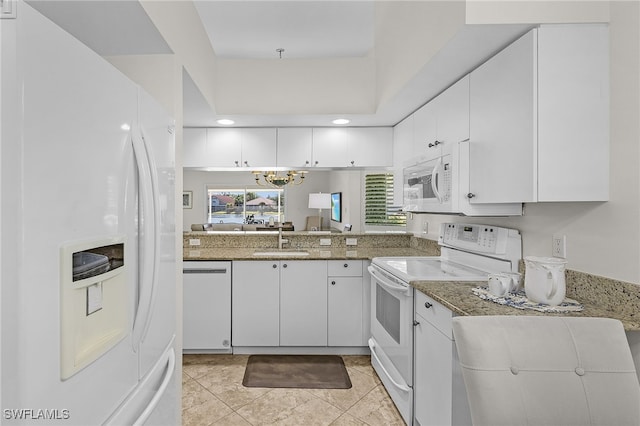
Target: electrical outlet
194,241
559,247
351,242
325,241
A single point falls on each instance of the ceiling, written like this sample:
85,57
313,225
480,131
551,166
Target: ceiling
304,29
249,32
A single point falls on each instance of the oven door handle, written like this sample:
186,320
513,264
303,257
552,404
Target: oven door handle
388,284
372,348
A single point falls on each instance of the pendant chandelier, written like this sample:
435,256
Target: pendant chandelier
272,178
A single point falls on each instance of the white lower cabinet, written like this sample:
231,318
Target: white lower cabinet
345,294
303,303
255,303
439,394
207,306
300,303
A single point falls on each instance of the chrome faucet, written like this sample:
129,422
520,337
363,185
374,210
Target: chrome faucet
281,241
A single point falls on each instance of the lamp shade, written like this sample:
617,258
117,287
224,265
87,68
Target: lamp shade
320,201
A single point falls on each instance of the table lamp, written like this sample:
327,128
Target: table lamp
320,201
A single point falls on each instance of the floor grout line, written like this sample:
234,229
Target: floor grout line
355,367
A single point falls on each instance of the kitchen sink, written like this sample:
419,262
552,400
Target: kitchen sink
281,253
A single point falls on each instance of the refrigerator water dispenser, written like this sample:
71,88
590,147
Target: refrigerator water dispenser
93,301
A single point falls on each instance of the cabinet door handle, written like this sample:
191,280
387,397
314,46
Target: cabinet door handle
353,163
471,195
306,163
246,163
416,323
316,163
333,283
274,266
284,266
427,305
436,143
237,163
346,265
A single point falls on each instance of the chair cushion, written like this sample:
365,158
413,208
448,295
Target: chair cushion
541,370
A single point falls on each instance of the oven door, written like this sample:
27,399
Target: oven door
391,342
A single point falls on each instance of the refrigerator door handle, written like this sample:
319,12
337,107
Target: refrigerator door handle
148,253
171,364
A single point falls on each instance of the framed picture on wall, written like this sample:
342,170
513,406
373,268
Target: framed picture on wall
187,199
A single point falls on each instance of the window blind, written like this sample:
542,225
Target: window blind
378,201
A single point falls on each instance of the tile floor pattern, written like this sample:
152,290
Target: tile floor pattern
212,394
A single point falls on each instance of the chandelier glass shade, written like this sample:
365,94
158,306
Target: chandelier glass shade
276,180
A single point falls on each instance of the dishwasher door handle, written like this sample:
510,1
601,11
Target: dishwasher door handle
205,271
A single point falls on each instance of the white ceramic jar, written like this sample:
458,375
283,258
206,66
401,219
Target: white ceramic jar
544,280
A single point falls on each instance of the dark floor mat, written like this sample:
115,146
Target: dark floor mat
296,371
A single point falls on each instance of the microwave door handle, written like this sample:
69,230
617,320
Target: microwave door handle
434,178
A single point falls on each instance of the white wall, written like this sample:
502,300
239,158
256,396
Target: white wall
602,238
349,182
296,196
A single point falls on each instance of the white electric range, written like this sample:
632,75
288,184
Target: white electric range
469,252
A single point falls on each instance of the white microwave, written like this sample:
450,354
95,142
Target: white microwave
441,185
427,185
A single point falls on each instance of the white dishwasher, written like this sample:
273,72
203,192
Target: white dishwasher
206,307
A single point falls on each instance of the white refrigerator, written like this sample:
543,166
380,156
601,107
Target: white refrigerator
87,227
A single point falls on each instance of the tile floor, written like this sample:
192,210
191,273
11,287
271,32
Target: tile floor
213,395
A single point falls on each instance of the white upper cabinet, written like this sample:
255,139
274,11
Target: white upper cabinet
503,132
442,122
330,147
573,113
453,113
225,147
402,152
539,118
294,147
370,147
352,147
425,135
259,147
194,147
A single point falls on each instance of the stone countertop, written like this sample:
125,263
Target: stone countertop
457,296
315,253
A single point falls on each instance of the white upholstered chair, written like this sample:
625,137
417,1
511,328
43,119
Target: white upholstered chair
539,370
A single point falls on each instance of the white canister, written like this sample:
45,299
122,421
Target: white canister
544,280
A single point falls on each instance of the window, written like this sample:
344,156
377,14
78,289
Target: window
244,205
378,201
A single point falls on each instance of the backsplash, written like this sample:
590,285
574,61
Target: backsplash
300,240
605,293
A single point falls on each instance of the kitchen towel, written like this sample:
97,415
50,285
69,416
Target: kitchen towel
519,301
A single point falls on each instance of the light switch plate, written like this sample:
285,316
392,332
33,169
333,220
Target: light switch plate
352,241
325,241
194,241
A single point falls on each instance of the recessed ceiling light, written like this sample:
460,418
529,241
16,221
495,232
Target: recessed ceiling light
225,122
340,121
